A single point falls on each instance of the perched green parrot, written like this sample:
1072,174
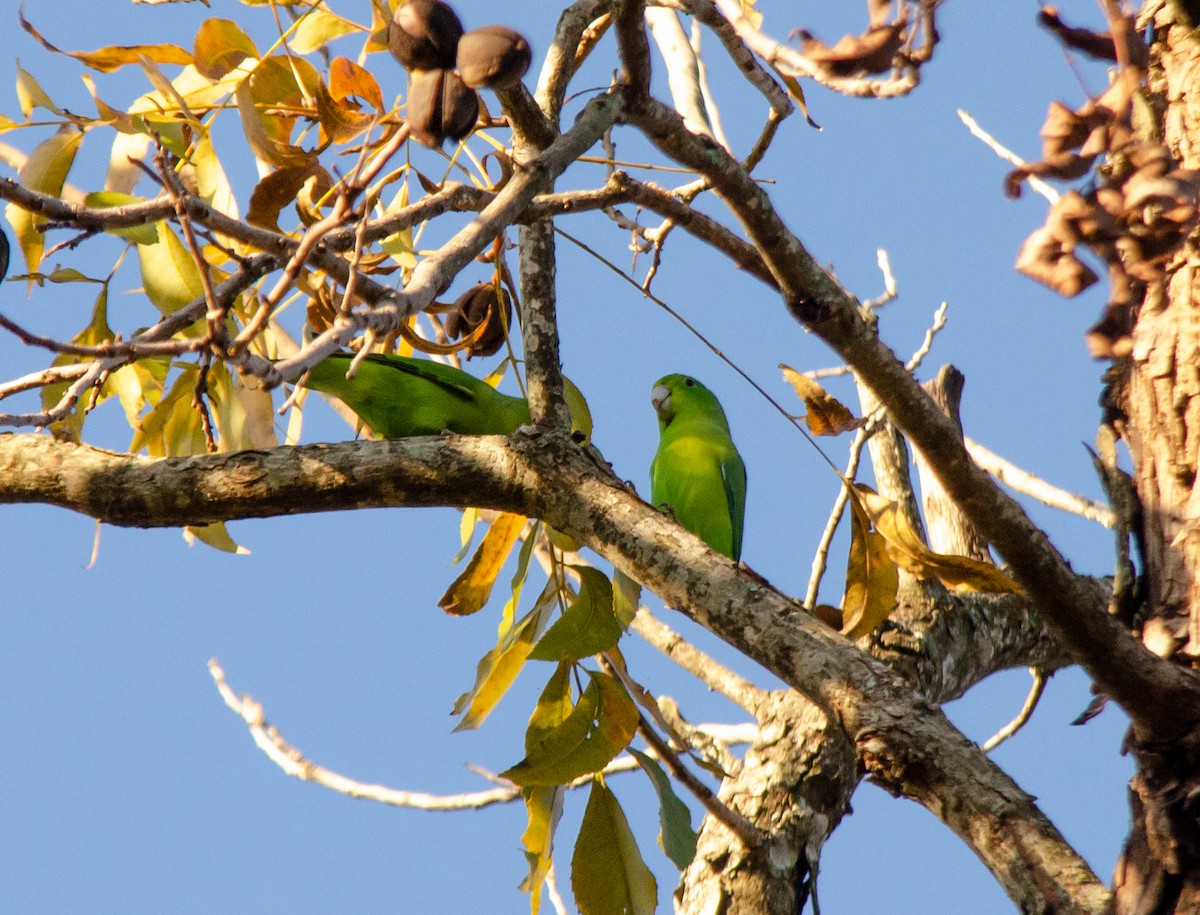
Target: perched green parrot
398,397
697,472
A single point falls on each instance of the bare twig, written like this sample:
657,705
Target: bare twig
1007,155
1035,694
1047,493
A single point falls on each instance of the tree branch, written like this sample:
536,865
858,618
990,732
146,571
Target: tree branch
904,743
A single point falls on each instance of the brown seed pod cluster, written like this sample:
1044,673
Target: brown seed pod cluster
481,306
448,65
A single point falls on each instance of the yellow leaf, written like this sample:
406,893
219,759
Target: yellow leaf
268,149
543,807
109,59
826,415
348,80
911,554
470,591
340,119
44,171
399,245
318,28
170,276
220,46
872,579
212,184
215,535
496,672
30,95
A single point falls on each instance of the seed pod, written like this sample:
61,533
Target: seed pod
423,35
440,107
493,56
479,305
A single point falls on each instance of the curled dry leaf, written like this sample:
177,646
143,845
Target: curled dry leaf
484,315
871,52
424,34
1112,336
826,415
910,553
1095,44
493,56
1048,260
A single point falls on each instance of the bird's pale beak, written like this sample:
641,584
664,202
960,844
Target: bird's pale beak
660,398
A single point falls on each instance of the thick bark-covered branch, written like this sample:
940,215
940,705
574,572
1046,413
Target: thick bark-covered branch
904,742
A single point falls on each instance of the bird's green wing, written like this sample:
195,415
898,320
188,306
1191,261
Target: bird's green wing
398,396
733,472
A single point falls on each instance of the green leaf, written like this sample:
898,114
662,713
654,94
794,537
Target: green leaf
608,875
96,333
599,727
144,234
170,276
45,171
553,707
589,625
627,594
676,836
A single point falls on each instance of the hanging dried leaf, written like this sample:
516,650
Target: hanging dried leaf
872,578
470,591
826,415
910,553
1048,260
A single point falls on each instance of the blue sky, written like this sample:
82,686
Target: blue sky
130,788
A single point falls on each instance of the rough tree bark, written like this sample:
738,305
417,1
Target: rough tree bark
1159,393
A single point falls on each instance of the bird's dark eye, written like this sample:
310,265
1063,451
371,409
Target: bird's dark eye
689,381
578,437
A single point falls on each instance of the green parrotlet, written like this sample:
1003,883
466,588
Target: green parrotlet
697,472
399,397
